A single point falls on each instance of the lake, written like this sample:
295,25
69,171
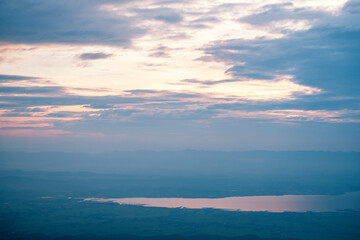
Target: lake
283,203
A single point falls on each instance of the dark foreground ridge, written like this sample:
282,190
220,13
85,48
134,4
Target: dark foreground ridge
133,237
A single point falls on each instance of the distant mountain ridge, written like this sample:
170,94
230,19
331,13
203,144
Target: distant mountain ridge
185,162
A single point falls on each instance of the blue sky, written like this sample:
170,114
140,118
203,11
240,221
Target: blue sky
169,75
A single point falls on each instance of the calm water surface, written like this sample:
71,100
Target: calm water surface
285,203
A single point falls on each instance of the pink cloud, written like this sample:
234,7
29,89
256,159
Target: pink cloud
32,132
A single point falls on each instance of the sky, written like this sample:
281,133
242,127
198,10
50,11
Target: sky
227,75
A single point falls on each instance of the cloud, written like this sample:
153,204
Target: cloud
327,58
13,78
100,106
94,56
317,102
116,113
160,51
309,75
284,11
352,6
206,20
31,101
208,82
171,95
296,115
31,90
50,98
32,132
166,15
63,22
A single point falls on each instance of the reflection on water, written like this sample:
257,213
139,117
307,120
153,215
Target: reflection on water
285,203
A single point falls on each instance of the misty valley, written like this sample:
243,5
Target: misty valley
180,195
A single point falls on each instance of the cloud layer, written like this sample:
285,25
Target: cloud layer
176,73
62,22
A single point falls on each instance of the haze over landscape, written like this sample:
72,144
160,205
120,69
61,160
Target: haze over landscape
163,119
